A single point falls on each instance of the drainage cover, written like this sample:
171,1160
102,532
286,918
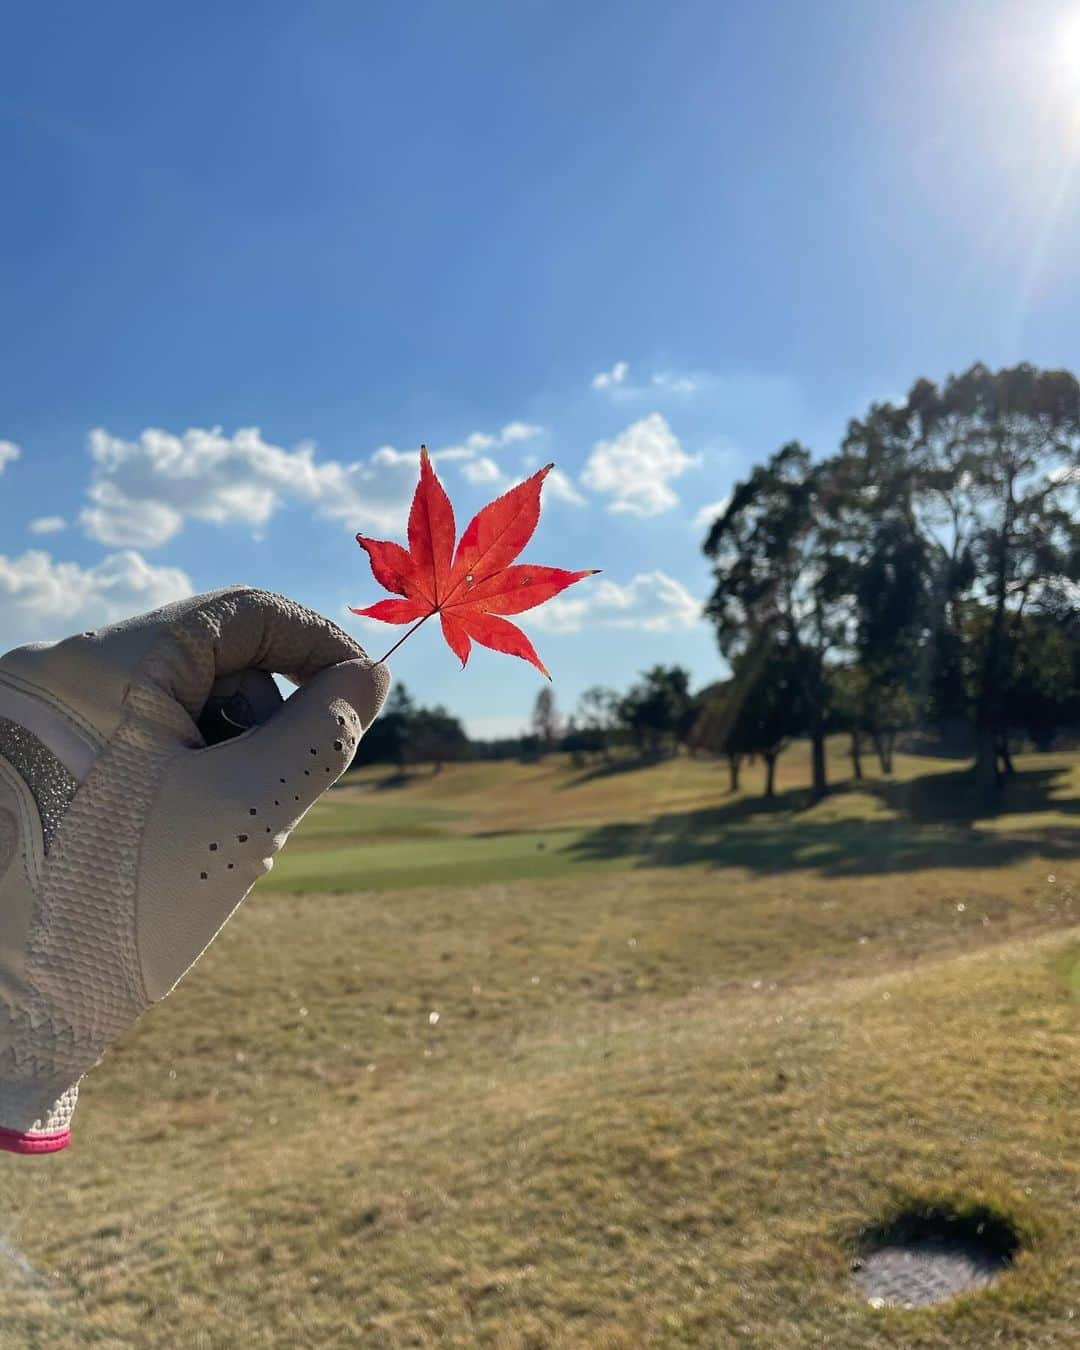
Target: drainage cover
927,1258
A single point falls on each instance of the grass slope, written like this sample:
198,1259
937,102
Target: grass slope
668,1081
474,823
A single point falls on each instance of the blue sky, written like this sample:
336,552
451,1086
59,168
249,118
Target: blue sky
252,255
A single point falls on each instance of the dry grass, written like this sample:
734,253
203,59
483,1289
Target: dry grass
657,1106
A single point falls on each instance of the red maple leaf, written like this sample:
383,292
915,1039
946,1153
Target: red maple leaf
472,588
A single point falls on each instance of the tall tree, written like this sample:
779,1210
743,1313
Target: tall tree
712,728
781,579
986,468
598,717
436,738
767,704
850,711
658,710
1038,694
756,712
545,719
389,738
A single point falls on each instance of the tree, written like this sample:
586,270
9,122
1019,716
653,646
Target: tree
404,733
756,712
893,607
545,720
1021,428
598,718
1039,693
850,712
780,579
389,737
766,705
985,469
712,728
658,710
436,737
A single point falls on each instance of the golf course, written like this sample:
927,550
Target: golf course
543,1054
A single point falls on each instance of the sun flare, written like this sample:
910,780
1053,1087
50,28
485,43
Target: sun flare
1067,53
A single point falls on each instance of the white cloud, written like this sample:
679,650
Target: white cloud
47,525
607,379
559,486
651,602
117,520
636,468
479,441
729,395
143,491
518,431
9,453
41,599
482,470
711,511
675,383
621,389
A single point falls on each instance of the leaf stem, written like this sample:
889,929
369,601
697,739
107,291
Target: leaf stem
401,639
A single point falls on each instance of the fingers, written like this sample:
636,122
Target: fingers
309,742
224,812
237,629
177,651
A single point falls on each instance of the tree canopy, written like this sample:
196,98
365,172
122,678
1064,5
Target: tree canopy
931,558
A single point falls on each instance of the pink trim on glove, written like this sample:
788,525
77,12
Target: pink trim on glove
52,1142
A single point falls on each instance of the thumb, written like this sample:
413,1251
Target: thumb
224,812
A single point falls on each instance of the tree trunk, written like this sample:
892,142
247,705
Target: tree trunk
1007,767
856,755
989,712
734,764
770,771
821,786
883,748
986,770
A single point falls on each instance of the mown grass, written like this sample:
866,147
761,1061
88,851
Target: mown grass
510,821
658,1103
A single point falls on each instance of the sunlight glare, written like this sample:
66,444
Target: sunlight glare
1067,55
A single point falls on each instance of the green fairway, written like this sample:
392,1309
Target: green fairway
437,1086
514,821
446,860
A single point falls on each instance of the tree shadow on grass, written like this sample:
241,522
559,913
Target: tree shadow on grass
934,828
937,797
614,769
400,778
848,848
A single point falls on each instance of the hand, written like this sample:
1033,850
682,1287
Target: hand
125,843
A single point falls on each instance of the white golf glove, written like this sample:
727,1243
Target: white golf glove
126,842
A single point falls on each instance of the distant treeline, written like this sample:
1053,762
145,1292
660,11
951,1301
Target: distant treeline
405,733
654,717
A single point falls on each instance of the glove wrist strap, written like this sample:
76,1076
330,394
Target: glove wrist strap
47,1141
25,1127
